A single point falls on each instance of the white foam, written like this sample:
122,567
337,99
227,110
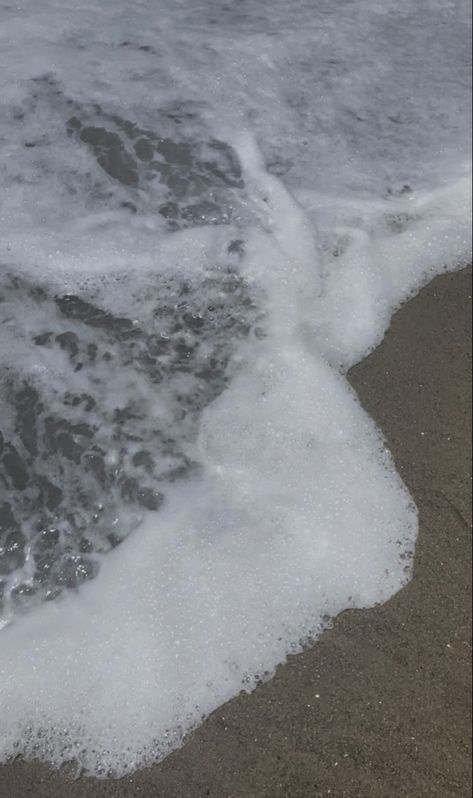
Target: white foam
389,249
297,512
238,570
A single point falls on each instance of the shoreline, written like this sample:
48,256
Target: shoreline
381,705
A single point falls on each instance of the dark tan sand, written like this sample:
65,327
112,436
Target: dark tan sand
381,706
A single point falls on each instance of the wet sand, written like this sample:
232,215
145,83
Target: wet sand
380,707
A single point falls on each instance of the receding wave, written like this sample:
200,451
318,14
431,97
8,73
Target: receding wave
208,214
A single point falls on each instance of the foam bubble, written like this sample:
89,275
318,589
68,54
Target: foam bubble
235,573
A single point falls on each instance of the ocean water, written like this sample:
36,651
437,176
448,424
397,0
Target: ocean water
208,213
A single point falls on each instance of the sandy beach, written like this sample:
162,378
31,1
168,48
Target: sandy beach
380,707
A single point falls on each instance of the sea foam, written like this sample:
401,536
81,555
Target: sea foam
208,215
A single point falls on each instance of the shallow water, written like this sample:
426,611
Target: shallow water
208,214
